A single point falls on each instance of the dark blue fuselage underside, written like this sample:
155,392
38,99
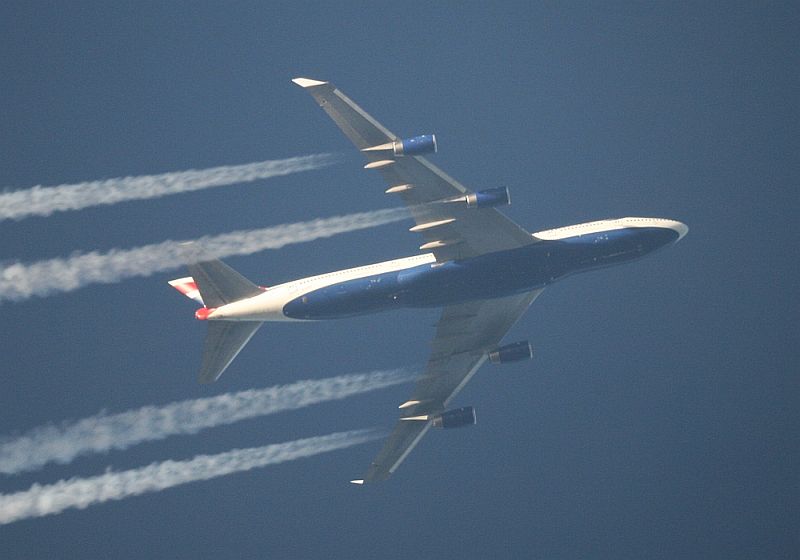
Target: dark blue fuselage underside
489,276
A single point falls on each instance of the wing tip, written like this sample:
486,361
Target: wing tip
308,82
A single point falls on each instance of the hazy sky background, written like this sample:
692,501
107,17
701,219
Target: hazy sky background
659,416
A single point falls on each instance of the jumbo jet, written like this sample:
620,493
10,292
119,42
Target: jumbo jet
481,268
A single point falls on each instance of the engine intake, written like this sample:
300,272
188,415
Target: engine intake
456,418
515,352
488,198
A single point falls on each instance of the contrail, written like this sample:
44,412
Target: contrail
43,201
104,432
80,493
20,281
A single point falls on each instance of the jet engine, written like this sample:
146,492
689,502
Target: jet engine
490,197
481,199
424,144
456,418
515,352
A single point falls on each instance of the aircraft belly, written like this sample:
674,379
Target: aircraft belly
608,248
489,276
349,298
461,281
423,286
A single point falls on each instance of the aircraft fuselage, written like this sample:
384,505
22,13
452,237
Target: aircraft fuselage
420,281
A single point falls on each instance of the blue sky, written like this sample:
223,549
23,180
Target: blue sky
659,415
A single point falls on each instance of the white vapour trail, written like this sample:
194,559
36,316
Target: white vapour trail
20,281
104,432
80,493
43,201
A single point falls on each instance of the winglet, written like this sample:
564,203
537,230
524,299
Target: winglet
357,481
307,83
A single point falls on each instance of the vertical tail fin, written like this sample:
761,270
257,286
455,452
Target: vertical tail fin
187,287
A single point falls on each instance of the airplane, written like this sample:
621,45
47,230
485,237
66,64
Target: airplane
480,267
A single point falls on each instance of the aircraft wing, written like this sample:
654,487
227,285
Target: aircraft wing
452,230
465,334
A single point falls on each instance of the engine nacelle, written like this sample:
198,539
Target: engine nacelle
515,352
489,198
456,418
424,144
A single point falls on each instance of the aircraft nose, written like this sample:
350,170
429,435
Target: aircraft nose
681,228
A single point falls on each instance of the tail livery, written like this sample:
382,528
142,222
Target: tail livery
187,287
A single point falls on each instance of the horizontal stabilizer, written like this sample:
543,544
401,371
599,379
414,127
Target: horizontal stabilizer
219,284
225,339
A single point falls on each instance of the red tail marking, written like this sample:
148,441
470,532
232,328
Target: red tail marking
203,313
